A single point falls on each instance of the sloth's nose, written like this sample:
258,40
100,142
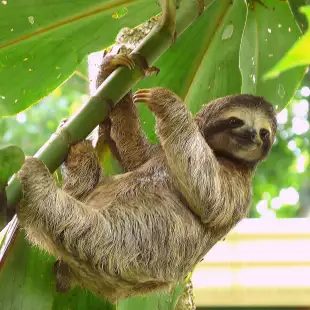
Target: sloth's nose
251,134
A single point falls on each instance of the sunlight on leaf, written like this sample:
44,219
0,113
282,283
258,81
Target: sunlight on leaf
119,14
268,35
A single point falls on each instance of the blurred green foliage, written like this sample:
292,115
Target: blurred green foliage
288,164
32,127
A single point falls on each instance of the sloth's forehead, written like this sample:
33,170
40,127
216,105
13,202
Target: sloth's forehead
245,112
252,117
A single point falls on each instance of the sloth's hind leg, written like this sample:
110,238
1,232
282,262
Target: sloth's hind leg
56,221
81,171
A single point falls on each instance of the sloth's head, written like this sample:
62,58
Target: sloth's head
240,128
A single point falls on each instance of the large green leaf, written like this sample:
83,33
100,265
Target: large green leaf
204,63
27,282
299,17
298,55
162,301
268,34
42,42
11,160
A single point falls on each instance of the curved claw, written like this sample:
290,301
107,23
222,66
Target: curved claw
149,71
123,60
143,64
143,95
62,123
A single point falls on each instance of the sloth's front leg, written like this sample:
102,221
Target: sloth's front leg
192,163
39,192
122,129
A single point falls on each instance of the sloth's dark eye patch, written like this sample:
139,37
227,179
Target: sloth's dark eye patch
235,122
264,134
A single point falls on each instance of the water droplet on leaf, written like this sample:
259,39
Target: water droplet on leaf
281,91
31,20
228,32
119,14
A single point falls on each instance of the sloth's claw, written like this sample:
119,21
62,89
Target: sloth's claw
123,60
141,61
143,95
150,70
63,121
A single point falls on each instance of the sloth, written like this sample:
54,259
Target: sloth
144,230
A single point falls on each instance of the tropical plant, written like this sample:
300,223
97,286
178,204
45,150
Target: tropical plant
226,50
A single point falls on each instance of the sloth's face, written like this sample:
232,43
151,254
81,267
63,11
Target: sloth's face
241,134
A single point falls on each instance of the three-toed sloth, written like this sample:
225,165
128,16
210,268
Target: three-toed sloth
145,230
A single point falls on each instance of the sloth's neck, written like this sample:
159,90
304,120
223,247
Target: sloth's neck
227,158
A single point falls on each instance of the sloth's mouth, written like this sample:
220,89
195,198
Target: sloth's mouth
236,159
243,140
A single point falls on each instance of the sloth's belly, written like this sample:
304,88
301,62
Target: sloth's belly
151,253
152,239
157,240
